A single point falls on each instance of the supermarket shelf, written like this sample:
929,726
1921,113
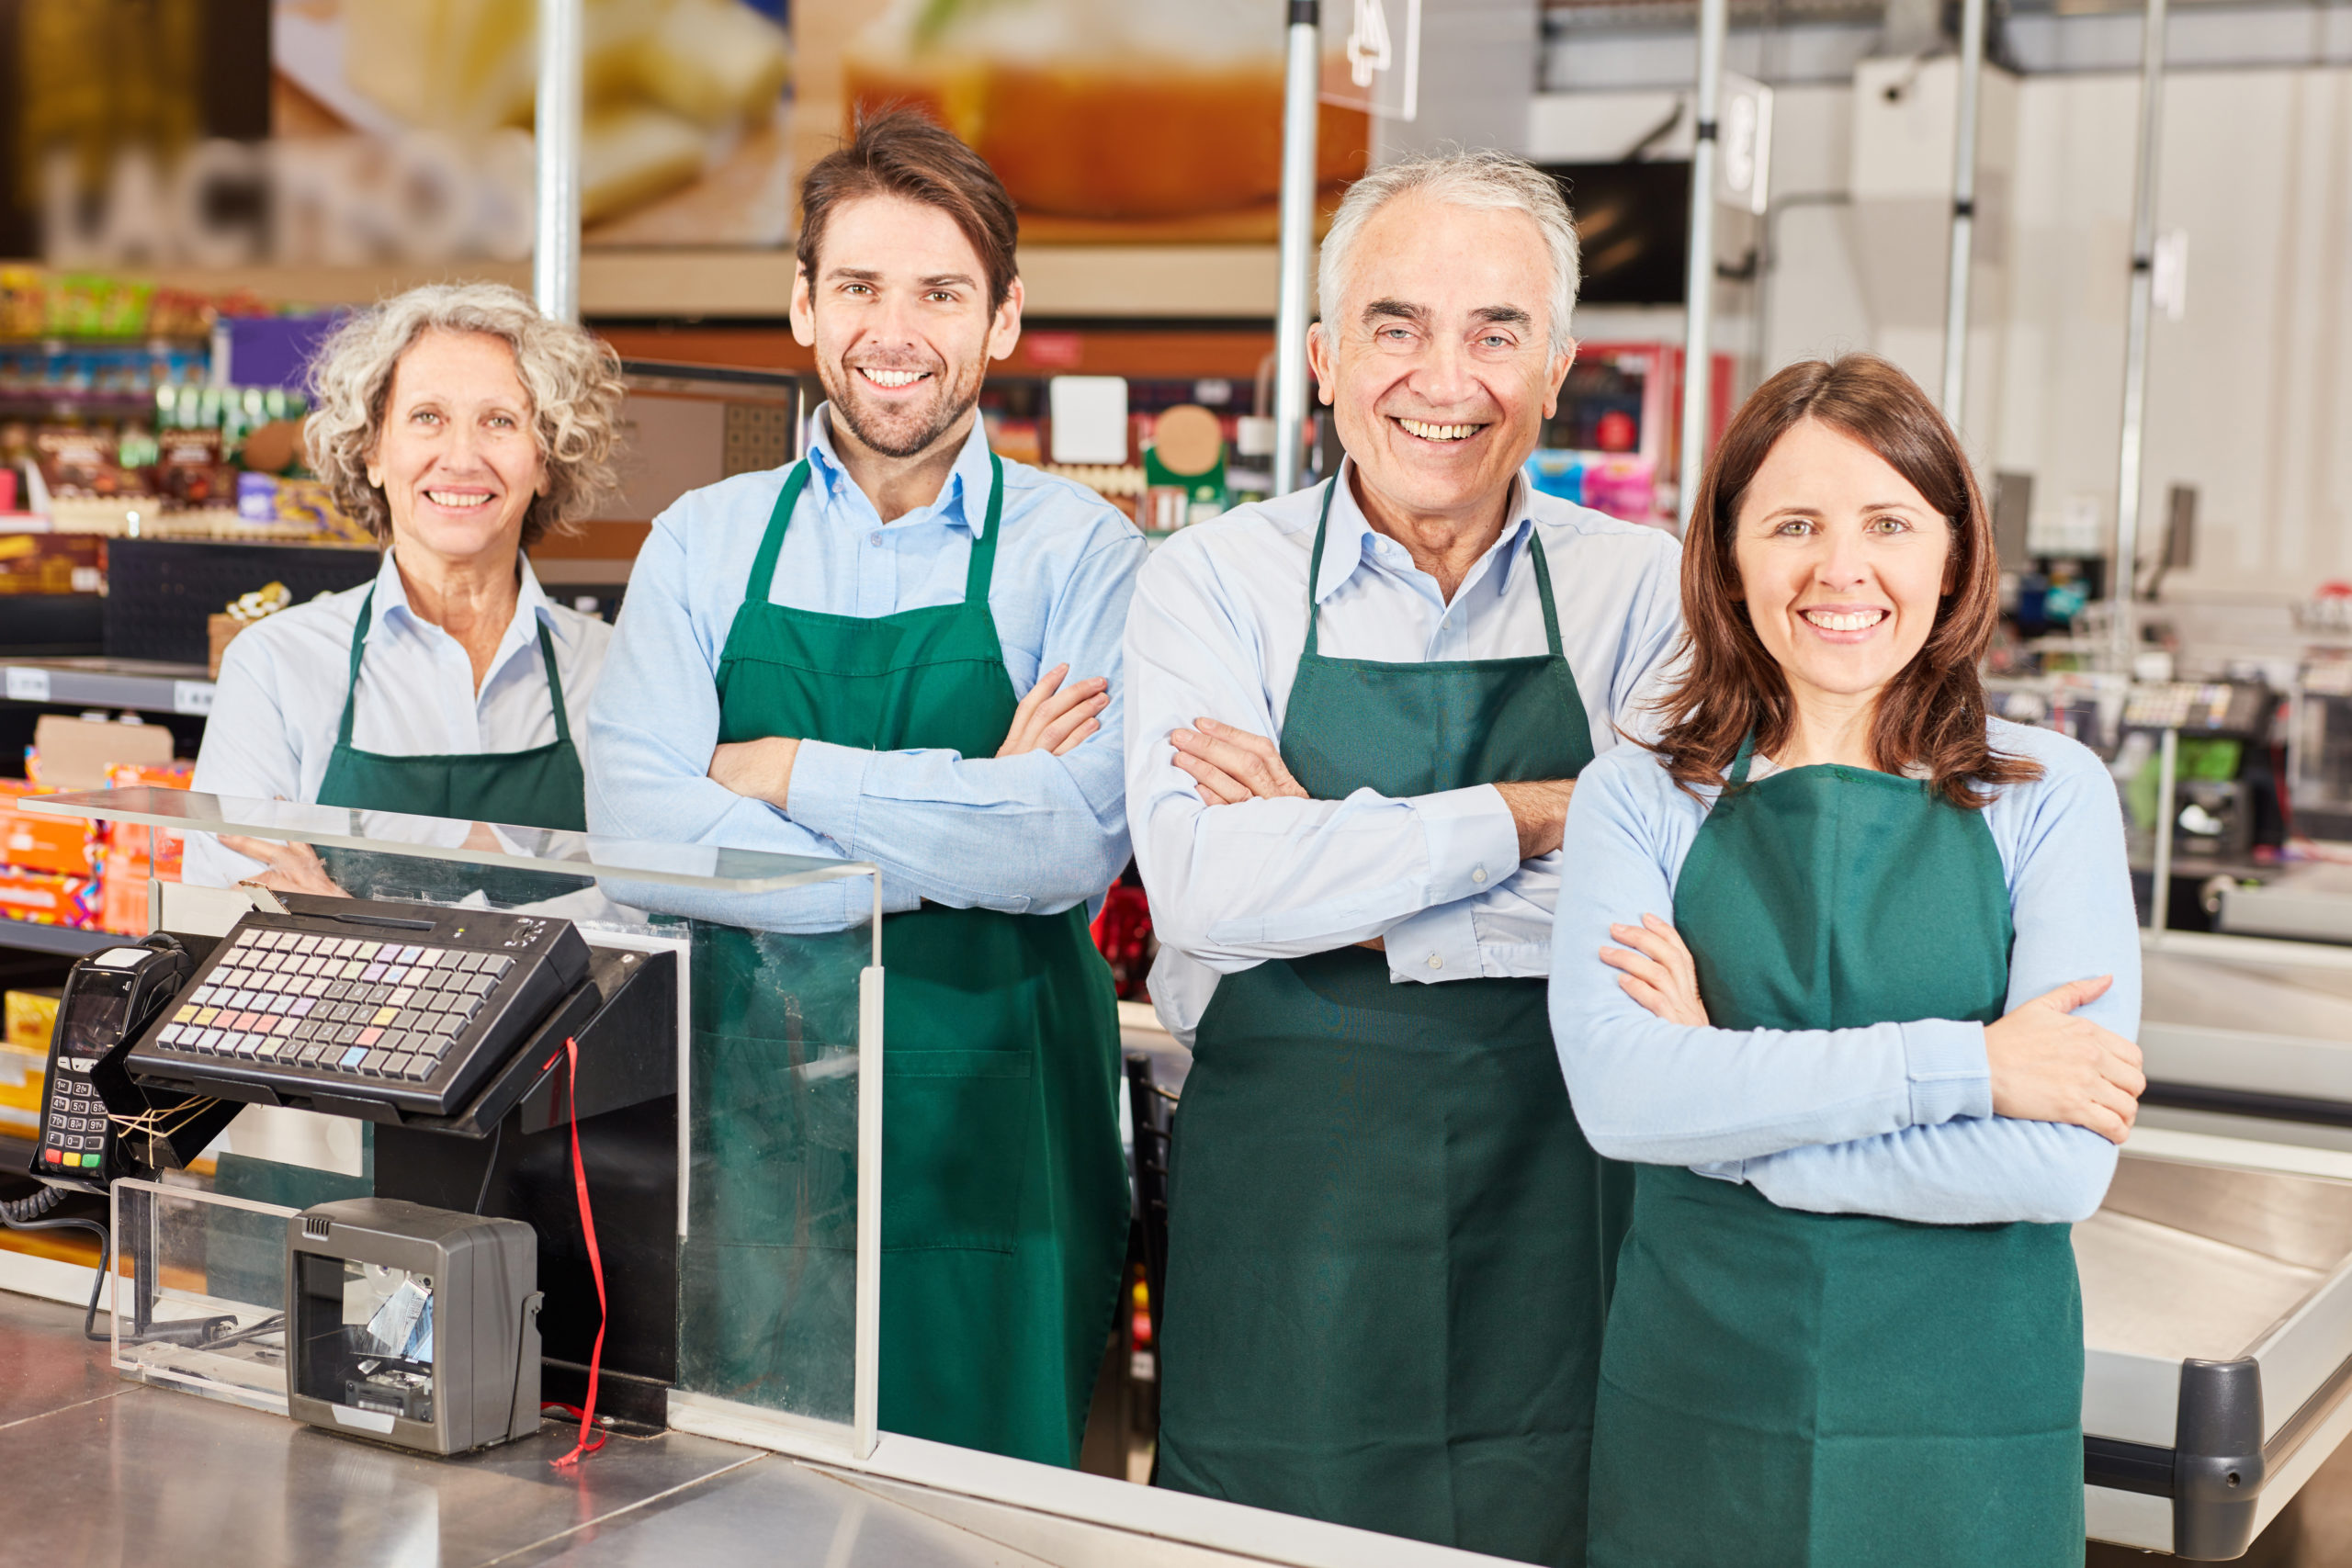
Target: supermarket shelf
1164,281
62,940
136,683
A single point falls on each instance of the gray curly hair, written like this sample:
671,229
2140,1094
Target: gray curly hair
1483,178
574,381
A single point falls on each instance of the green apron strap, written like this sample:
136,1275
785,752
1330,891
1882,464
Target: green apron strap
1315,561
1543,587
756,586
358,651
555,687
1738,775
977,576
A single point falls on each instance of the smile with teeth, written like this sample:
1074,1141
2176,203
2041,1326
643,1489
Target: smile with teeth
1844,620
1429,432
891,378
457,500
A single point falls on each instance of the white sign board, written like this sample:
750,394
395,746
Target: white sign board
1744,144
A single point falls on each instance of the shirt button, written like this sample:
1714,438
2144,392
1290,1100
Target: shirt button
874,538
1435,962
1478,874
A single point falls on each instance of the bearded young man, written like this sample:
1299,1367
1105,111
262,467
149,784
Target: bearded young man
902,650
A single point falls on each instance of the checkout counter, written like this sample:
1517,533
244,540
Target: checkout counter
546,1059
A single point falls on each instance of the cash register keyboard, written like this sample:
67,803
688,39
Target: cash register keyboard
314,1003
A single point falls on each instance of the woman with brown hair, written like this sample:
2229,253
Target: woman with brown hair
1878,1059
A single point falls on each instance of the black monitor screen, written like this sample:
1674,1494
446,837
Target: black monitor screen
1633,229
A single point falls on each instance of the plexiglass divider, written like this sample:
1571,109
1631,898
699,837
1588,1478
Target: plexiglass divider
779,1072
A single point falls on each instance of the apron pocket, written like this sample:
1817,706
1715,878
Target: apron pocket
957,1126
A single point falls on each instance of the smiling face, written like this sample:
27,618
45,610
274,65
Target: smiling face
1438,364
899,315
1841,561
457,459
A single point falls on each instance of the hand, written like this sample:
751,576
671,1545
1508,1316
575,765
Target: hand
1051,719
1232,765
287,868
758,769
1540,808
2049,1066
1659,972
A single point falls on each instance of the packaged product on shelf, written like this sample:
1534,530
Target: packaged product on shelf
75,753
35,841
28,1017
189,469
51,563
77,462
89,304
23,302
127,844
44,899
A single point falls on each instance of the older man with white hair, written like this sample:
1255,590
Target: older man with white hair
1360,712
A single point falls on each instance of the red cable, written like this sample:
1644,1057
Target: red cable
596,1261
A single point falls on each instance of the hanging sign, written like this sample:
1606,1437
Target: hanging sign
1372,56
1744,132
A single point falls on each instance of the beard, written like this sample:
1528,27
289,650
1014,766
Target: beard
900,431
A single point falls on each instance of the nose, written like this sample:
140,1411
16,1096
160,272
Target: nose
1442,377
1841,562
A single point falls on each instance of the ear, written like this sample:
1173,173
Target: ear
1319,360
1555,374
803,308
1005,331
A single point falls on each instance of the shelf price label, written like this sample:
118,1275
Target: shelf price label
192,696
26,685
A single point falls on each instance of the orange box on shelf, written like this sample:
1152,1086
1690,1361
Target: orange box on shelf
28,841
129,840
22,1073
123,889
44,899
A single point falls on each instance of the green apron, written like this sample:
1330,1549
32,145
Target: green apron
1004,1192
540,787
1790,1390
1389,1243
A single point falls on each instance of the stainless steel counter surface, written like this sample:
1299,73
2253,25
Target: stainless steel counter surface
104,1471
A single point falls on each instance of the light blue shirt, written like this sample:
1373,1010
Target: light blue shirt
1031,834
280,702
1218,624
1895,1119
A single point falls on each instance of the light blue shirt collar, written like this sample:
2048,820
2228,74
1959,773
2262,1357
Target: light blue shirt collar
1349,543
970,476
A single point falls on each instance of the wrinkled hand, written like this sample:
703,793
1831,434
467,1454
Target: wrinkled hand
758,769
1659,972
1232,765
1051,719
2049,1066
287,868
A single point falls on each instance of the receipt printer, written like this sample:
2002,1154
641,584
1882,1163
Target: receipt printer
413,1326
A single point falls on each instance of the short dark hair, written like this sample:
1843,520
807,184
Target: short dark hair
900,152
1932,714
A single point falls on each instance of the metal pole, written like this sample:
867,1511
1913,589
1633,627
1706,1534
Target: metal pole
1699,285
555,251
2125,568
2160,875
1302,87
1963,211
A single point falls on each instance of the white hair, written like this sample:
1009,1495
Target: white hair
1485,179
572,379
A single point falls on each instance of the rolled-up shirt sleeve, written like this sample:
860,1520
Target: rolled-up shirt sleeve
1235,886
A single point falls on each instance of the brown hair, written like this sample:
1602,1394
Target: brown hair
900,152
1932,713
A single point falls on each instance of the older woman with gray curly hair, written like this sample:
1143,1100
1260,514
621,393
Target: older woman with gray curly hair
462,427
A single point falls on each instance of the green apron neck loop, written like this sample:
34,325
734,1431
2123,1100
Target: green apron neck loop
359,652
1739,774
759,588
1315,577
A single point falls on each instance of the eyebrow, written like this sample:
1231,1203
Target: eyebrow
1502,316
1396,310
866,274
